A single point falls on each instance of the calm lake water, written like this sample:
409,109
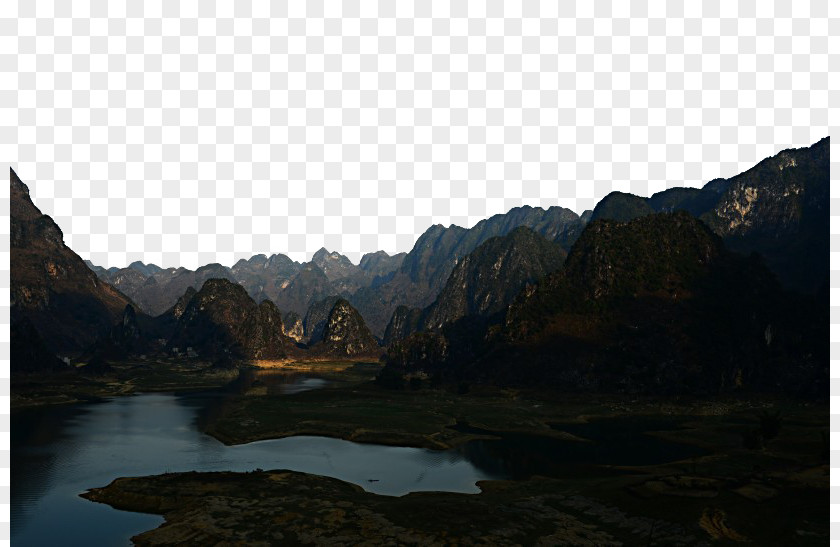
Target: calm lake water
59,452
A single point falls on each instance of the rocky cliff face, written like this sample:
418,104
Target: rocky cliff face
221,319
655,253
265,277
307,287
145,269
380,264
424,270
487,280
293,325
404,322
68,305
658,256
483,283
346,333
334,265
779,208
181,305
657,305
126,332
263,333
130,282
316,319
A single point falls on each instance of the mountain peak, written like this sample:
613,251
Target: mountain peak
346,333
50,284
16,183
320,254
621,207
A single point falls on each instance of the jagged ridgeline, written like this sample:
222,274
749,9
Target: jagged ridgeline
779,209
483,283
682,291
691,290
657,304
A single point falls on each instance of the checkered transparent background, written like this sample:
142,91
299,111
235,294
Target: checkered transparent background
183,133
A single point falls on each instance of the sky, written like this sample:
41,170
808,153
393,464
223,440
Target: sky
183,133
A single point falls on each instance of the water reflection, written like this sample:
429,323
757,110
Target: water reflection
59,452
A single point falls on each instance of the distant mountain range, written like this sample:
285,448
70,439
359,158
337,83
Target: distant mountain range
641,278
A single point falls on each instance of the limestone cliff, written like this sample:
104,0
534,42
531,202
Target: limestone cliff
346,333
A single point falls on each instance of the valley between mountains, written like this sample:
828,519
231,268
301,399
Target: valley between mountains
701,313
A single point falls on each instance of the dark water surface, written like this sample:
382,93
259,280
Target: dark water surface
59,452
614,441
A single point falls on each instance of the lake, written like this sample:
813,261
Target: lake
59,452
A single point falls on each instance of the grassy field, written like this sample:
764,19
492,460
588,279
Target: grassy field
123,378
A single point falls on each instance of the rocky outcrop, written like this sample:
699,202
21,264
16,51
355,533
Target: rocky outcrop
487,280
483,283
659,304
426,268
308,286
293,325
380,264
404,322
145,269
660,252
130,282
222,320
263,333
345,277
780,209
334,265
51,286
181,305
346,334
316,319
654,305
126,332
621,207
265,277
